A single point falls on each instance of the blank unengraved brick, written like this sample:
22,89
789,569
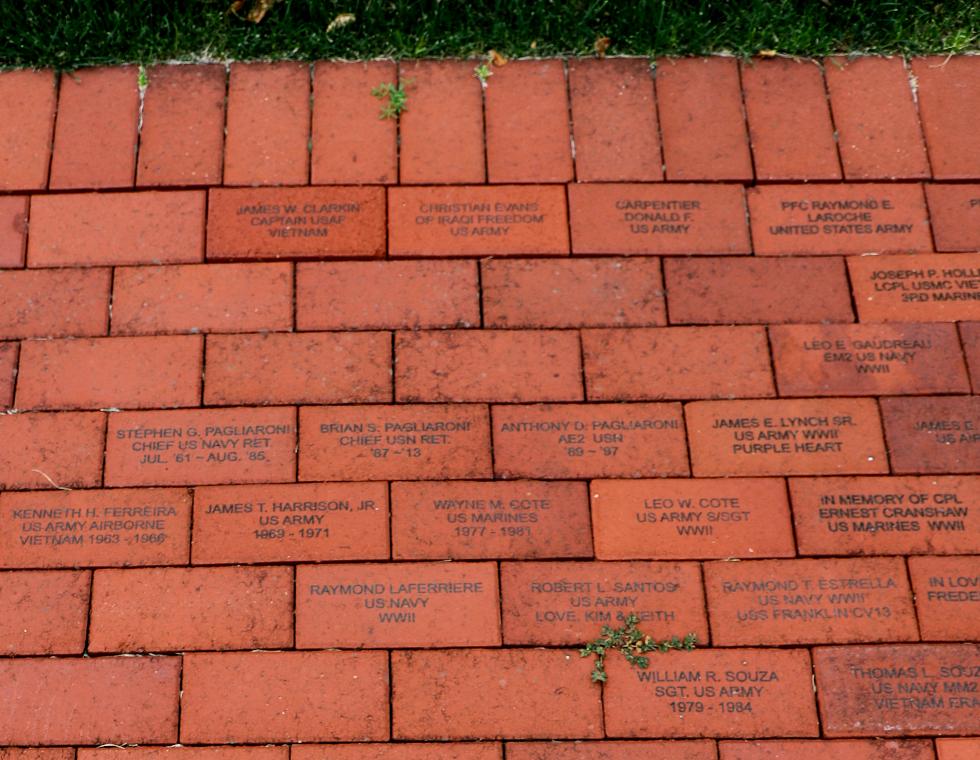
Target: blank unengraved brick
488,365
37,753
8,372
28,99
948,91
614,120
13,230
202,298
51,450
43,612
676,362
572,292
298,368
180,609
399,751
522,694
820,749
284,697
54,303
955,214
957,749
183,753
939,434
970,335
99,373
947,597
599,750
89,701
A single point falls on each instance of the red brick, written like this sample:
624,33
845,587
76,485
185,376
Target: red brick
13,230
51,450
947,597
695,693
8,372
284,696
95,132
921,287
477,220
955,214
37,753
113,528
906,690
664,750
817,749
902,515
184,753
399,751
28,99
268,523
933,433
703,119
202,298
770,437
182,131
970,335
614,119
179,609
957,749
809,601
789,120
441,131
373,295
572,292
802,220
658,219
691,518
877,124
750,290
350,144
201,446
528,137
43,612
54,303
96,373
521,693
677,362
488,365
298,368
867,359
433,604
485,520
268,125
388,442
298,222
948,90
564,603
589,441
89,701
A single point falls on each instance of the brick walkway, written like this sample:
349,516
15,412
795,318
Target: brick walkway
299,357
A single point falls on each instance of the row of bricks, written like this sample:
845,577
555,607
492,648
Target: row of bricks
695,119
662,519
532,293
453,604
315,696
611,219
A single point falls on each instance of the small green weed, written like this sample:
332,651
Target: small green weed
142,79
634,645
483,73
397,99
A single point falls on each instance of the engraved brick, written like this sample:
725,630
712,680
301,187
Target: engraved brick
691,518
51,450
29,99
433,604
820,749
201,446
8,372
933,433
399,751
13,229
43,612
584,441
955,214
957,749
54,303
663,750
948,96
947,597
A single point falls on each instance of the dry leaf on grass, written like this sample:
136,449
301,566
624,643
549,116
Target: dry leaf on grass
601,46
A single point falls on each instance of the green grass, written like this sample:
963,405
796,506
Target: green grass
74,33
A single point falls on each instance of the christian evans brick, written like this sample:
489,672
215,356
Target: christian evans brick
13,230
43,612
897,515
29,103
933,433
484,520
947,597
905,690
955,214
434,604
566,603
594,440
833,219
306,522
201,446
522,694
89,701
477,220
818,749
664,750
54,303
298,222
722,692
404,442
92,528
179,609
691,518
399,751
89,229
51,449
801,601
284,697
785,437
658,219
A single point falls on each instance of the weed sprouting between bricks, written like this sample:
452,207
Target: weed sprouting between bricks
634,645
397,99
